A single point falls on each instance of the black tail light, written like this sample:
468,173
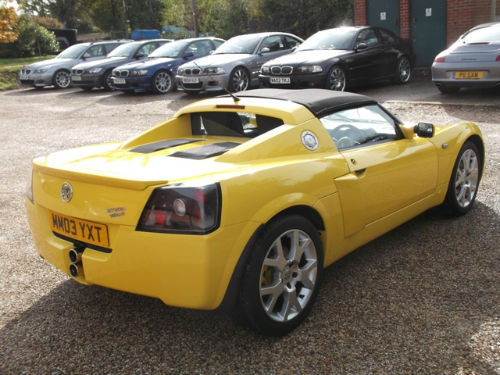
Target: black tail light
182,209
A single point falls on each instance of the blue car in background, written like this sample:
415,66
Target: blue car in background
157,72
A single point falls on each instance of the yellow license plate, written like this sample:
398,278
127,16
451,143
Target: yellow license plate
468,75
78,229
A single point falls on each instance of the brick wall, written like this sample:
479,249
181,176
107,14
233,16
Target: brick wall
464,14
461,16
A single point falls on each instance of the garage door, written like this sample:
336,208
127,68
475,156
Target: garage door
428,29
384,13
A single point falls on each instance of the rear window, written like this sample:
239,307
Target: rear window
232,124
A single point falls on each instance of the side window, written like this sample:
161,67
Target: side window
368,36
200,48
274,43
110,47
96,51
292,42
363,126
147,49
217,43
386,37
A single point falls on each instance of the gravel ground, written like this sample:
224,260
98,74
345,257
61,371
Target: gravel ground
422,299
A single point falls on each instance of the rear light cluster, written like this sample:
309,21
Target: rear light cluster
441,59
182,209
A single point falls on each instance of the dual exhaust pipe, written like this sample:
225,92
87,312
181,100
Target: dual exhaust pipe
75,257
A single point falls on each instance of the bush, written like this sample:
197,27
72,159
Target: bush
35,40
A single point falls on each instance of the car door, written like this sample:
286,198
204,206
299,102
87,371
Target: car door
367,61
270,48
390,52
387,172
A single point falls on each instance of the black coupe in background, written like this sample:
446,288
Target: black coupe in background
340,58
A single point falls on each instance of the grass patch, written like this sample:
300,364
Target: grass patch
10,67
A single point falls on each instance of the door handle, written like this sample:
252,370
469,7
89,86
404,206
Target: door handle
359,172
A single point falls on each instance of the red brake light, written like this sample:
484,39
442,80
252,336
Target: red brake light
441,59
498,58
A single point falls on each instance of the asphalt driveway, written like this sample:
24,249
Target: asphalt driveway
422,299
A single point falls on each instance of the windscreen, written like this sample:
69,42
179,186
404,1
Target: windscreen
239,44
72,52
125,50
340,38
232,124
169,50
483,35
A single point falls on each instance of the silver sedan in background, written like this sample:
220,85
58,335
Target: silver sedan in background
235,65
472,61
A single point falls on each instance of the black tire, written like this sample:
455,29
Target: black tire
162,82
61,79
464,180
107,81
295,278
403,70
336,79
448,90
239,80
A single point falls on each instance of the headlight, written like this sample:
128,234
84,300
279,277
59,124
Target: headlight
214,70
310,69
43,70
265,70
95,70
139,72
182,209
180,71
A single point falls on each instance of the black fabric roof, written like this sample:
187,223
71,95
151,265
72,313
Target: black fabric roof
319,101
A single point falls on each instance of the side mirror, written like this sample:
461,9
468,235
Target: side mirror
85,56
361,46
188,54
265,50
424,130
140,55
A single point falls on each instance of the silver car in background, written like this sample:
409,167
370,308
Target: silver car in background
56,71
472,61
235,65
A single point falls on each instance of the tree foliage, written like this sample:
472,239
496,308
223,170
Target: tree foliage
8,19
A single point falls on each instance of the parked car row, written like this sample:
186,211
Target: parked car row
336,59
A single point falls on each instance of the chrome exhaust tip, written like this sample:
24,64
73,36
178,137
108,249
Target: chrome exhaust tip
75,269
75,255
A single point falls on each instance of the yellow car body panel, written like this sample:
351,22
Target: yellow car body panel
358,194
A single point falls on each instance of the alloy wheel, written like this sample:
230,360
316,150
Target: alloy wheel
288,276
62,79
337,79
404,70
466,178
239,80
163,82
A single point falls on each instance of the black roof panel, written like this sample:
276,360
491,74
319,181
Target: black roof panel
319,101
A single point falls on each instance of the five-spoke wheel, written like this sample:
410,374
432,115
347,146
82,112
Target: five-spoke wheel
283,276
464,180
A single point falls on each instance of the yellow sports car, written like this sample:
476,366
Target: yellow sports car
239,202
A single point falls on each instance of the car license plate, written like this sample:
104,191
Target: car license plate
281,80
118,81
76,78
78,229
468,75
190,80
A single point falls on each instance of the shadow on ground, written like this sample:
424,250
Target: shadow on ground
409,302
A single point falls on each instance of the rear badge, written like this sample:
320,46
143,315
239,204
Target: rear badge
309,140
66,192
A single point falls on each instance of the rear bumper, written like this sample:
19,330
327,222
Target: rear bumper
182,270
443,74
